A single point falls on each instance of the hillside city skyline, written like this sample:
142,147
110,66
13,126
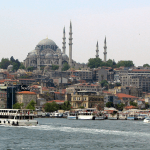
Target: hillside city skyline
125,25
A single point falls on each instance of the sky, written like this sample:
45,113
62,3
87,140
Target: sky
125,23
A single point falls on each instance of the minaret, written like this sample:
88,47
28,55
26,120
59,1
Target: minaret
105,50
70,45
97,51
64,42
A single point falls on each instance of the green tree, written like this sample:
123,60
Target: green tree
125,63
30,68
146,105
133,103
146,65
120,106
55,67
15,66
51,107
109,104
104,83
22,66
66,105
65,67
31,105
4,63
95,62
118,84
18,106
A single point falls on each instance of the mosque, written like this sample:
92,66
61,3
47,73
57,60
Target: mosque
47,53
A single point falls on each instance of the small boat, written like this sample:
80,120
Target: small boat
56,115
122,116
112,117
99,117
72,116
86,116
147,120
17,117
132,117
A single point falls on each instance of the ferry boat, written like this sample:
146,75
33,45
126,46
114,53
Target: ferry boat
17,117
72,116
86,116
132,117
56,115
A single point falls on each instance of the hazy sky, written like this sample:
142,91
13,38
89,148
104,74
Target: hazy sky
125,23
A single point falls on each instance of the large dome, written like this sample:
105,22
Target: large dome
46,42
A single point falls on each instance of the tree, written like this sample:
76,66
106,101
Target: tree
22,66
104,83
133,103
109,104
65,67
30,68
18,106
31,105
4,63
118,84
146,65
55,67
51,107
125,63
146,105
66,105
94,62
120,106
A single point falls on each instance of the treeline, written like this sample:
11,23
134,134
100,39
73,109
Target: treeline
51,107
97,62
5,62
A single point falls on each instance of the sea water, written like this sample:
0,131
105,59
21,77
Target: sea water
63,134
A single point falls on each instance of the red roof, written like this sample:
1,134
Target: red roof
26,92
140,70
107,92
57,101
130,107
121,95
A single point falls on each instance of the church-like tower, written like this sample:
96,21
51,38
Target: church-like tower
70,45
105,50
97,50
64,42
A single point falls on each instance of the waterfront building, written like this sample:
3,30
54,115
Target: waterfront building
25,97
87,100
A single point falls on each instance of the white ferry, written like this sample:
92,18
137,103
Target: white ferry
17,117
86,116
72,116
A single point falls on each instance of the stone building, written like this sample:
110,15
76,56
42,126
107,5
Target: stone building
47,53
87,100
25,97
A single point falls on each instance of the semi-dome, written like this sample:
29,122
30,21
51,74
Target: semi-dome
46,42
32,55
33,51
41,54
49,55
55,55
10,67
64,56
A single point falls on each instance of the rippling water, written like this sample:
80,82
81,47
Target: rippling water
63,134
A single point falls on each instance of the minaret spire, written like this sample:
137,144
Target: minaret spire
105,50
97,50
64,41
70,45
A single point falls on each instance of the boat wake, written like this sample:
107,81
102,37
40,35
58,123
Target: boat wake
87,130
